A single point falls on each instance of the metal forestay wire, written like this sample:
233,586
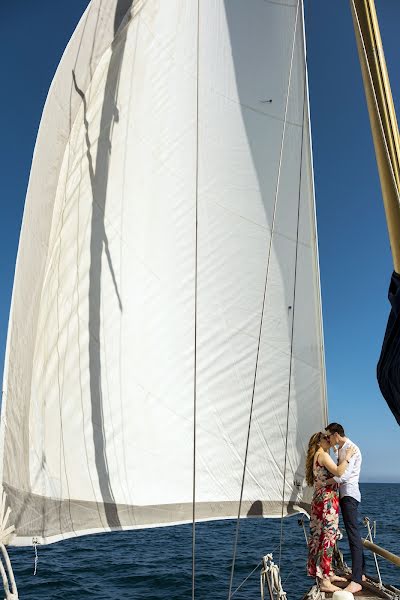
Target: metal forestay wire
250,574
290,574
195,317
293,313
376,104
309,18
263,304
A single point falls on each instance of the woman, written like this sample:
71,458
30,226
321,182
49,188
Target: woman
324,524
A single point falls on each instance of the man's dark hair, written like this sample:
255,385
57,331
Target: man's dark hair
335,428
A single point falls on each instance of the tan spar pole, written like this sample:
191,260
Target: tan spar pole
382,552
382,115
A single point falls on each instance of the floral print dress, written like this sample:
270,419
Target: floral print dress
324,525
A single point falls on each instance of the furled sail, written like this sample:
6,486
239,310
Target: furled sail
166,292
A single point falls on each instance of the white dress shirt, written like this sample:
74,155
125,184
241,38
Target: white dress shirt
348,482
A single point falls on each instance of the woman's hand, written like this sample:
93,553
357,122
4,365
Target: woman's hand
330,481
350,452
337,470
322,483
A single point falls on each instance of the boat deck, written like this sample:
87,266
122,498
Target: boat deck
370,590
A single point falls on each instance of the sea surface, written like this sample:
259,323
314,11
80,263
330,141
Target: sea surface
157,563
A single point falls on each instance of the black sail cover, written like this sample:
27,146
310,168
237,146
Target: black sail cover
388,369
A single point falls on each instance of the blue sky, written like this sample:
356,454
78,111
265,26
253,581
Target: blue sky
355,258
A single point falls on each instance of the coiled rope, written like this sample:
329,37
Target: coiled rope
270,575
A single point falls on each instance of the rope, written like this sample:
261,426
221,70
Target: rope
6,533
293,313
270,575
301,523
315,594
289,575
14,594
263,307
368,525
195,316
36,557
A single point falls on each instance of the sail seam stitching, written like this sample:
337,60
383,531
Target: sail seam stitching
195,312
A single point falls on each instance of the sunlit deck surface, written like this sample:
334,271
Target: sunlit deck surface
370,590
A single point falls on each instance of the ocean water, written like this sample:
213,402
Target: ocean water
157,563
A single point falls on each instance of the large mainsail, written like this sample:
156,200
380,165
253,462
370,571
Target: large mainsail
167,291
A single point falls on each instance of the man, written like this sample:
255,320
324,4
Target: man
349,498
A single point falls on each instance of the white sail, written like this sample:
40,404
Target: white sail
139,340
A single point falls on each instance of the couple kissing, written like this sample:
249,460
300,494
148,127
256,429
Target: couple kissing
335,484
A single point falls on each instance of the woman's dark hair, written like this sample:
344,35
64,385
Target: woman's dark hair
313,446
335,428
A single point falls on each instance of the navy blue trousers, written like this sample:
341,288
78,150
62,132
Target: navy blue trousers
349,508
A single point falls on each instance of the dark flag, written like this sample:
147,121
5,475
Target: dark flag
388,369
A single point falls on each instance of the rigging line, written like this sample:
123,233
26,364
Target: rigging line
195,313
307,29
260,563
263,304
291,573
293,313
244,580
376,104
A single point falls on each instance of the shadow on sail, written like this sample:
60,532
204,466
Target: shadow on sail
98,244
128,255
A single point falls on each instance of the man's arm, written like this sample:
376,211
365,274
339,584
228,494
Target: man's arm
350,469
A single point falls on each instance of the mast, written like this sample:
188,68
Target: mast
382,115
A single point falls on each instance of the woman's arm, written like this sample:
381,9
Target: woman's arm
337,470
